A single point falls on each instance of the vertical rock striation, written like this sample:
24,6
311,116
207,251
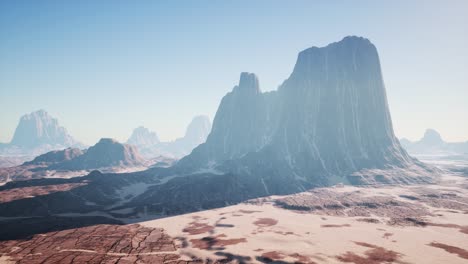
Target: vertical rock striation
327,121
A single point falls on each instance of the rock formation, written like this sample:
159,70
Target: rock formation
107,156
328,123
141,136
56,156
150,147
328,120
433,144
38,133
106,153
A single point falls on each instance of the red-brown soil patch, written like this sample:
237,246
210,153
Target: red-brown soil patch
375,255
27,192
215,242
94,244
331,225
273,256
464,229
264,222
301,258
462,253
196,228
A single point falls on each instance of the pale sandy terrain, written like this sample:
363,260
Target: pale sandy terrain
341,224
399,224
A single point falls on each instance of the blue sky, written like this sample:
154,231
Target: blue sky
106,67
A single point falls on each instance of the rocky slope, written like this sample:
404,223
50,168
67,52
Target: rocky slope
106,153
6,162
56,156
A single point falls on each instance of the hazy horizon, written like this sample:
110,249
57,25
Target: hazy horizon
115,66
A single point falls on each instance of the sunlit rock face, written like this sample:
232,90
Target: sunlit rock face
329,119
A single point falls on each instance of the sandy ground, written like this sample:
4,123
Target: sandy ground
341,224
399,229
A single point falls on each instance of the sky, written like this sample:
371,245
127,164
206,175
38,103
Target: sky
104,68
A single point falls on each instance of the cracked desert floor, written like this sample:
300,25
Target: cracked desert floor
340,224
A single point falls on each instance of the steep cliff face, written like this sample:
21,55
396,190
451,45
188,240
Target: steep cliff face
334,112
242,123
329,119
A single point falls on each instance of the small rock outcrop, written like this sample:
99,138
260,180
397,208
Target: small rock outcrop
56,156
106,153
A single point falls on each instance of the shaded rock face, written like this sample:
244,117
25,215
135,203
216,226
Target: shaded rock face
329,119
432,143
106,153
242,123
